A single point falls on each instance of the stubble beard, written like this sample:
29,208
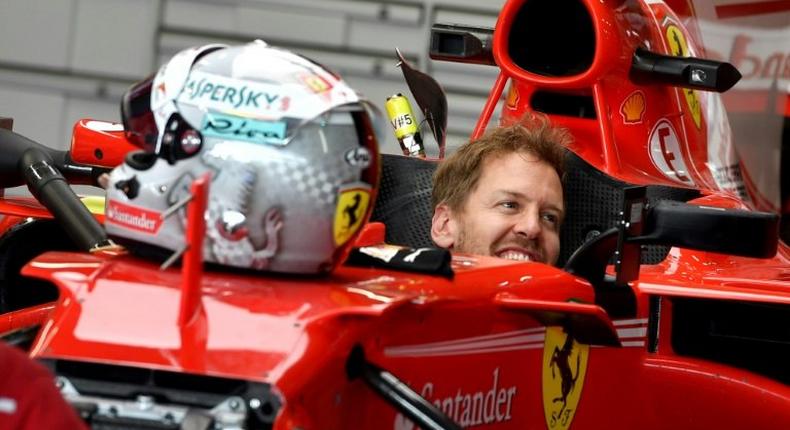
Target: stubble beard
468,246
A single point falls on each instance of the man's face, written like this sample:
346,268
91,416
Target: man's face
514,212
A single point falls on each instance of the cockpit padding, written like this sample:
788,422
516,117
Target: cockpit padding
404,200
593,201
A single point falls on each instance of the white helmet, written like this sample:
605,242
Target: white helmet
290,148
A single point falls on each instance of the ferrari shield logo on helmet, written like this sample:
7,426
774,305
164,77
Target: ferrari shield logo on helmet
352,204
564,368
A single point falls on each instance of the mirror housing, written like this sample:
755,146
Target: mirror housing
462,44
685,72
721,230
726,231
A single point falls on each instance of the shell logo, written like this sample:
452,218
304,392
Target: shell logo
633,108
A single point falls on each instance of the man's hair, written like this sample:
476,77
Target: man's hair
458,174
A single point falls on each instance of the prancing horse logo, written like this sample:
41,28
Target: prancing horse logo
352,203
564,368
351,210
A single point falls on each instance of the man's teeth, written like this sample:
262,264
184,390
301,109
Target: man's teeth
515,256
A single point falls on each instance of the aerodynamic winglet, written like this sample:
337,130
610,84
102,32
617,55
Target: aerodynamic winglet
589,324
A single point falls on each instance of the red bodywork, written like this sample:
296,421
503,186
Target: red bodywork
476,346
446,339
642,134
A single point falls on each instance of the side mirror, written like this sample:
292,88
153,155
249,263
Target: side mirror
685,72
462,44
727,231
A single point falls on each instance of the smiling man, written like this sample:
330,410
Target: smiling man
501,195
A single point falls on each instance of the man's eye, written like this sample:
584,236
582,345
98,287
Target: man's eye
509,205
551,219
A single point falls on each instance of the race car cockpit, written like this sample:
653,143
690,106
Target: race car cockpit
592,200
655,320
611,92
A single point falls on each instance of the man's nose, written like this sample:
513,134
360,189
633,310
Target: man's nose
528,224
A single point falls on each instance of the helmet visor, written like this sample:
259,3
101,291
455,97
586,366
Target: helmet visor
138,119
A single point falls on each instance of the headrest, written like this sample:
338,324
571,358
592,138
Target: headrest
404,200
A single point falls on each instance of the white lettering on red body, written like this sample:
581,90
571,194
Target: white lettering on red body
470,409
134,218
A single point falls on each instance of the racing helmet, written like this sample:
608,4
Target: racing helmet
290,148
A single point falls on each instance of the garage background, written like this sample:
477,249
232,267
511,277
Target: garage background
69,59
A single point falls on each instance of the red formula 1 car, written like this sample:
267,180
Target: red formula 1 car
670,309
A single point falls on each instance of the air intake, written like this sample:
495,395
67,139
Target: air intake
553,38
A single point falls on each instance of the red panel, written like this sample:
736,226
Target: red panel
99,143
23,318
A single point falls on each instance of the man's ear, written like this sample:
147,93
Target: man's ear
443,226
